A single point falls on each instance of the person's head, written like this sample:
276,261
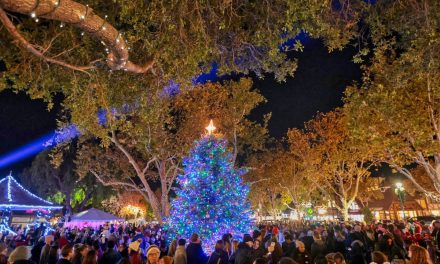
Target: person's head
20,253
300,246
260,261
257,244
166,260
182,242
67,251
330,257
338,258
286,260
111,244
378,257
219,245
195,238
153,254
80,249
91,257
419,255
247,239
288,237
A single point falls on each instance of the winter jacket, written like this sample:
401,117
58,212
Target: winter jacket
195,254
244,254
302,258
288,248
44,254
111,256
318,249
218,257
180,255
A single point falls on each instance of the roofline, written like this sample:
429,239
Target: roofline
9,178
23,206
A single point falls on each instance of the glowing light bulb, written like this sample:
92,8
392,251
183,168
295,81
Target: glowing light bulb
210,128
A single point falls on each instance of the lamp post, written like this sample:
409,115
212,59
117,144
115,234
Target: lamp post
400,192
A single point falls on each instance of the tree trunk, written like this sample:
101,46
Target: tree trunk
344,211
69,210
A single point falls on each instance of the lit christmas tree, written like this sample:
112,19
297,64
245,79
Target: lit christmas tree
212,200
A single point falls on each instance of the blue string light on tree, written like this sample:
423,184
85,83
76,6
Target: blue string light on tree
212,200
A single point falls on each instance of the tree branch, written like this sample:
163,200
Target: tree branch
81,17
29,47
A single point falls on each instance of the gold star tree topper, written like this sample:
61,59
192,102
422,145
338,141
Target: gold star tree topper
210,128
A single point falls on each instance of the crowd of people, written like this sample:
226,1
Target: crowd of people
289,243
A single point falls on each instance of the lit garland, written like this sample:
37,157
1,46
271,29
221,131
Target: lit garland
33,14
10,179
212,200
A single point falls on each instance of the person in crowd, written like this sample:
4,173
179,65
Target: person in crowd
418,255
180,254
166,260
20,255
36,249
66,254
259,250
357,253
91,257
288,245
45,250
219,256
378,257
245,251
53,253
153,254
301,255
110,256
389,248
172,248
276,250
194,251
318,247
123,250
338,258
79,253
134,252
234,245
4,253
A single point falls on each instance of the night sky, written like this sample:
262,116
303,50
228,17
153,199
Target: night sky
318,86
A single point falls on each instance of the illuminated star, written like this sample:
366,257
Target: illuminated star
210,128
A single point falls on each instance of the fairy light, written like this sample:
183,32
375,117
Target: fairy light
212,199
12,183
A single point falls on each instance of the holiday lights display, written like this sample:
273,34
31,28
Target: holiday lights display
212,200
19,198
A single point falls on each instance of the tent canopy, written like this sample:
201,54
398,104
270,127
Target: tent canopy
92,218
95,215
13,196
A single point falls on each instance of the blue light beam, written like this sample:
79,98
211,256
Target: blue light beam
47,141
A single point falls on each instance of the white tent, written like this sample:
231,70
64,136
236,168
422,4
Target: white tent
93,218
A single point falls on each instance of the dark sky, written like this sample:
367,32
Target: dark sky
317,86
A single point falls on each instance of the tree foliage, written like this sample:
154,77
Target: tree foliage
396,109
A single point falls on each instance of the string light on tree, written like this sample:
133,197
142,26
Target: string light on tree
212,199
